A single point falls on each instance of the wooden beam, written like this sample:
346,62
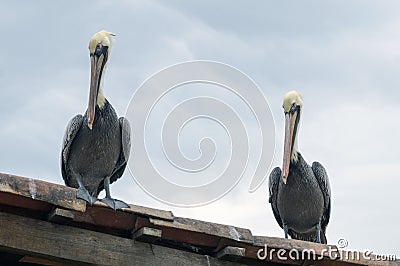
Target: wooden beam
40,261
69,244
212,229
55,194
145,211
231,253
61,216
146,234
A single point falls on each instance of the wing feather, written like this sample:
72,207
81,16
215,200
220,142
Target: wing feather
70,132
323,181
274,179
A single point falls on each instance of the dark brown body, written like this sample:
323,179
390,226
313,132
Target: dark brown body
95,153
303,202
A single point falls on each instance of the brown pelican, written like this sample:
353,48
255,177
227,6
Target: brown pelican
96,146
300,195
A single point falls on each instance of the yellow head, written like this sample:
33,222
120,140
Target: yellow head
100,39
292,99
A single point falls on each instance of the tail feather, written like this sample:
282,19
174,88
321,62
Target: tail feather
323,238
310,237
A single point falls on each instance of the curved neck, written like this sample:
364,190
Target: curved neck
100,95
293,156
100,98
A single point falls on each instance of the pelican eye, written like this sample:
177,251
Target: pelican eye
294,108
99,49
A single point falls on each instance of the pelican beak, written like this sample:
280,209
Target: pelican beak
97,63
291,120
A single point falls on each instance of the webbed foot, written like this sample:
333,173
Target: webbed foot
286,230
114,203
318,233
84,194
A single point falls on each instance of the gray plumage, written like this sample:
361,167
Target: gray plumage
93,155
303,202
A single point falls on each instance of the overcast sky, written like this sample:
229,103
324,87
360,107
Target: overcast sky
343,56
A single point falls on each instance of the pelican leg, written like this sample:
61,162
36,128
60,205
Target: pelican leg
113,203
286,230
318,227
82,192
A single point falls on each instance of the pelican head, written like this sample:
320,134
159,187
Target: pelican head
99,47
292,105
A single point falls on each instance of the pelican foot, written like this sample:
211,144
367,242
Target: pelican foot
114,203
318,233
84,194
286,230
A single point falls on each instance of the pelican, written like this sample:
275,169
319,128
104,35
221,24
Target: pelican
96,145
300,195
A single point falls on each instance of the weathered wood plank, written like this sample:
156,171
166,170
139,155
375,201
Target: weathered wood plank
145,211
64,196
12,202
40,261
65,243
146,234
106,217
178,235
61,216
231,253
40,190
213,229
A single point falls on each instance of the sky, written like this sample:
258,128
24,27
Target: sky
343,56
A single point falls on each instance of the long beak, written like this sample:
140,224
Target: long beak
97,66
290,122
